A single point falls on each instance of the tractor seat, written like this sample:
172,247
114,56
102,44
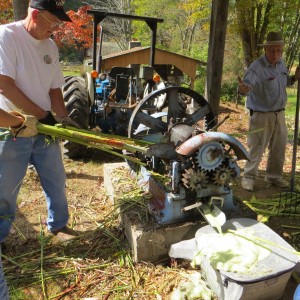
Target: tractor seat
120,71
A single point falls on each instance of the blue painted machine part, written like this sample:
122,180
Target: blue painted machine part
167,206
100,86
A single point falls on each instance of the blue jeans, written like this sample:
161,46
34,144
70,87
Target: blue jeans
45,154
3,286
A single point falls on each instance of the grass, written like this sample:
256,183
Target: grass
291,111
72,69
291,103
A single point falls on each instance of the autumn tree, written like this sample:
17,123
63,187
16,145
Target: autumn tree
78,33
6,11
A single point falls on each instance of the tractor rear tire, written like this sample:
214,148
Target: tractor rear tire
78,107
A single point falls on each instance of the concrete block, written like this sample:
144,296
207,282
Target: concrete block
112,179
149,241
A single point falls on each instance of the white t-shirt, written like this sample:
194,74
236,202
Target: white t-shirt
33,64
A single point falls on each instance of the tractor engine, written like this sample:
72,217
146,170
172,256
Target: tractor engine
115,93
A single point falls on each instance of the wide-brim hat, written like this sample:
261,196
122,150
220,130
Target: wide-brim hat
55,7
273,38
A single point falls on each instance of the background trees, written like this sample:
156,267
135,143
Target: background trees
185,29
255,18
6,11
76,35
20,9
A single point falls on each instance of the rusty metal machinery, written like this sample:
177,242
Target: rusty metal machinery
199,163
148,103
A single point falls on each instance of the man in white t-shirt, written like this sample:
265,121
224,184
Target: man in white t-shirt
30,82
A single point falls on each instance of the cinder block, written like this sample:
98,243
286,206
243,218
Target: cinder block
149,241
152,243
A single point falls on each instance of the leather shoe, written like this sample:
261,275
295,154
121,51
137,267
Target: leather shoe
65,233
279,182
248,184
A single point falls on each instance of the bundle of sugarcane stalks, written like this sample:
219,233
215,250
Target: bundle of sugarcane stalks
97,140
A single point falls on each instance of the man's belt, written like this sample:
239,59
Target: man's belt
274,111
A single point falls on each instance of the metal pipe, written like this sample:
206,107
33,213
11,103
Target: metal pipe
296,130
193,144
100,51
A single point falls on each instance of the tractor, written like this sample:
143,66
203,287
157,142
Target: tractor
106,99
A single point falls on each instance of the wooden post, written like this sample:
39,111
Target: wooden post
218,25
20,9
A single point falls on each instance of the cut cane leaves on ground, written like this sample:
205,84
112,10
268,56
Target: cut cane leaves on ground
192,288
275,206
88,267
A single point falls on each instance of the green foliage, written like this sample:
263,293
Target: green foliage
6,12
200,50
229,92
254,19
199,84
166,31
291,103
71,54
183,30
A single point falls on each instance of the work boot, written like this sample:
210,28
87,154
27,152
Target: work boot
248,184
279,182
65,233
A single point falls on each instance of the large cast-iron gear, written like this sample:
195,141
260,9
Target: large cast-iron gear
210,156
194,179
222,175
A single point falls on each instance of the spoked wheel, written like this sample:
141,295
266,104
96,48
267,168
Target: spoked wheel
151,118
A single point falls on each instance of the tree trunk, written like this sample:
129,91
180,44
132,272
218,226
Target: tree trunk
216,48
20,9
191,38
292,41
253,21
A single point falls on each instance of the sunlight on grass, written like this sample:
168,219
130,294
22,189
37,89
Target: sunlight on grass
291,111
72,69
291,103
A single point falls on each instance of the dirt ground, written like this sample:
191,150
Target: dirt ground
103,270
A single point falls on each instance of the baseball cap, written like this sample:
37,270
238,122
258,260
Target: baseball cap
55,7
